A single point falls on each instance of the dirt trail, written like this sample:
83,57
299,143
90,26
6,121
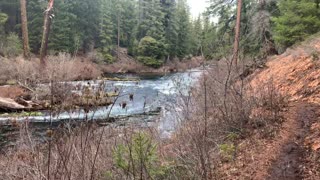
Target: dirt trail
289,148
292,150
296,75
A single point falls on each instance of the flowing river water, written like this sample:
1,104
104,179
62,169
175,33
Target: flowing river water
150,94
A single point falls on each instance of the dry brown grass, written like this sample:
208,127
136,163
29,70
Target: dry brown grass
69,156
133,66
85,152
62,67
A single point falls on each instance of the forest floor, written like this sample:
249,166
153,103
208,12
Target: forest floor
292,149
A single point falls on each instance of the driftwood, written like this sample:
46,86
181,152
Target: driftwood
7,104
25,87
18,104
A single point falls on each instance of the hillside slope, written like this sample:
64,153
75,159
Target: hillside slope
293,151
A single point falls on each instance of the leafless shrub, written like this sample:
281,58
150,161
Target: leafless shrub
79,150
61,68
216,115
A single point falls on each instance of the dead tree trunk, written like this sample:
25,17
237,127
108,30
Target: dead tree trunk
46,31
237,34
24,29
118,48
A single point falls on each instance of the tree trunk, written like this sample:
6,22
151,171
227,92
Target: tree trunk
118,49
24,29
46,31
237,34
7,105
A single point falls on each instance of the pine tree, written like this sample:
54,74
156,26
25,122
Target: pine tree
106,34
260,41
184,27
35,23
208,37
171,26
129,24
298,19
63,36
11,9
87,22
3,20
196,37
152,18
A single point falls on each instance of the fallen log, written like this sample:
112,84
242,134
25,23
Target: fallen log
7,104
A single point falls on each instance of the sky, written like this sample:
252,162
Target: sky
197,7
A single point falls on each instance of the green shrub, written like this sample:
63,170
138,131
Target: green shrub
227,151
12,45
3,18
107,57
150,61
139,157
151,52
315,56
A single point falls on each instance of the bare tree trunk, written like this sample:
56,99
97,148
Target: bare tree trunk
118,49
24,29
46,31
237,35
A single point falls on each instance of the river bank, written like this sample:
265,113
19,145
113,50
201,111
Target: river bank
64,67
143,99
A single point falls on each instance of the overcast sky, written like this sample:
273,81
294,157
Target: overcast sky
197,6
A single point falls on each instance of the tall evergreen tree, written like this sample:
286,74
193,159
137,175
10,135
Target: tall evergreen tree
184,27
298,19
35,10
171,26
107,27
152,18
3,20
196,36
87,14
129,24
63,34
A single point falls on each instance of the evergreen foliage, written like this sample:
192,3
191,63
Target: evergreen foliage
184,29
139,157
151,52
97,25
63,37
106,32
298,19
35,11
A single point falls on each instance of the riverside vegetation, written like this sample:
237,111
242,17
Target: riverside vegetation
252,113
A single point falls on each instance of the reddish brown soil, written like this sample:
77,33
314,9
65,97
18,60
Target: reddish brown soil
293,152
288,152
11,91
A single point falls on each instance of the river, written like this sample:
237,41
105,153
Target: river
151,93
